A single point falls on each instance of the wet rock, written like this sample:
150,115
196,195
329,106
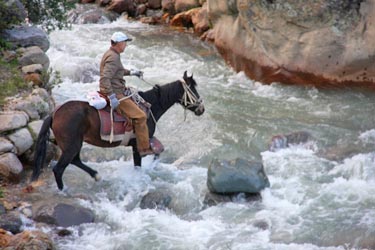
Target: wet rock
154,4
64,214
141,9
64,232
12,120
200,20
90,13
284,141
26,36
33,68
240,175
157,199
27,240
11,222
168,6
22,140
34,55
261,224
120,6
184,5
213,199
10,165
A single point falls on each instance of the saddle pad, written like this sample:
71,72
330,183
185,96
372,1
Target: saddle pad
120,124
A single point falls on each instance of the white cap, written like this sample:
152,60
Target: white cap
120,37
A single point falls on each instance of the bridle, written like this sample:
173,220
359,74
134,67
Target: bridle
189,99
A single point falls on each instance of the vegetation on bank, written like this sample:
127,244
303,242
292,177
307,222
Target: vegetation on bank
11,81
49,14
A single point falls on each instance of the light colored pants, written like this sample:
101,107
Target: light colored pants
139,119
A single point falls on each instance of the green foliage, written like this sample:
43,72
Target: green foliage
7,17
1,193
51,14
4,45
50,79
11,81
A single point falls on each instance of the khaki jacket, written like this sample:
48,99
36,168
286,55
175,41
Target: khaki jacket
111,73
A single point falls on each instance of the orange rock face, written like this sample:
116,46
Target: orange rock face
318,42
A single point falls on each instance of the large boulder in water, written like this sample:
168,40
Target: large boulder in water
322,42
63,214
237,176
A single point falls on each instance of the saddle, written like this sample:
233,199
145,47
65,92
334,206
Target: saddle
122,127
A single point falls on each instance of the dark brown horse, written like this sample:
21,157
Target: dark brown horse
76,122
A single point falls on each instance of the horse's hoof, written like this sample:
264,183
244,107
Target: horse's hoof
97,177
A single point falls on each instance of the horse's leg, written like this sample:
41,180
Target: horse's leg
59,168
137,159
93,173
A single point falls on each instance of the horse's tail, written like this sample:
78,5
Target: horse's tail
41,147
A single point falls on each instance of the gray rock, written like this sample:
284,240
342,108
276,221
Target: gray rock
213,199
34,55
12,120
91,13
22,140
11,222
63,214
228,177
156,199
33,105
5,146
10,165
32,68
26,36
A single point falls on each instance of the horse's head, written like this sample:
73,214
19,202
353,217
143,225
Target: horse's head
191,99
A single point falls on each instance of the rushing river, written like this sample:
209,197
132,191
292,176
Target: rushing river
322,193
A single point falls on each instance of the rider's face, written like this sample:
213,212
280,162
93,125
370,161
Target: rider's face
122,46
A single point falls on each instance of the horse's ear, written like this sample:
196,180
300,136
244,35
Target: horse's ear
185,75
157,88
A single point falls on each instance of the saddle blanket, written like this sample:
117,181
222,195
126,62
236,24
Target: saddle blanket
122,127
122,130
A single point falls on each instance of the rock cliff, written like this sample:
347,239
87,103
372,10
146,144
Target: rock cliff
315,42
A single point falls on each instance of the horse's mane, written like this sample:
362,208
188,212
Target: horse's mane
164,95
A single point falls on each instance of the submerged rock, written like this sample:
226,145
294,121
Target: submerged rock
157,199
284,141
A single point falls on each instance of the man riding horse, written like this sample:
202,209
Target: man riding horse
112,85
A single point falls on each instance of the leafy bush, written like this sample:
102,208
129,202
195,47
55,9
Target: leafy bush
51,14
11,81
9,15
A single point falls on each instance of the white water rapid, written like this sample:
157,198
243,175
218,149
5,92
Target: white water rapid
322,195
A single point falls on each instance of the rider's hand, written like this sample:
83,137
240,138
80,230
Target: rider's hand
113,101
137,73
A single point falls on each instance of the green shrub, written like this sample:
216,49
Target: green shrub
11,81
51,14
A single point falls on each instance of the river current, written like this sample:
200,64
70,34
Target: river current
321,194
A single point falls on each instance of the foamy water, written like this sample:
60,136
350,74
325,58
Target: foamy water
314,202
